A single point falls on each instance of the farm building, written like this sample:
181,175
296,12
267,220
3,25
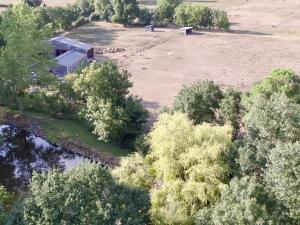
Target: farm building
70,55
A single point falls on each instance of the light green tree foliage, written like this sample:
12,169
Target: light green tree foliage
279,81
283,177
165,10
25,50
125,11
104,9
103,81
268,121
115,117
135,171
230,108
84,195
244,202
199,101
86,7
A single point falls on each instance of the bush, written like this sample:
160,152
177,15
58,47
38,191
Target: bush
200,16
199,101
283,177
164,12
145,16
220,19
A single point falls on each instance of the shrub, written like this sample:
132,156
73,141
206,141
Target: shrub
199,101
283,176
86,7
164,12
94,17
220,19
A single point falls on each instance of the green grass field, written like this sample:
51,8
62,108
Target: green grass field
57,130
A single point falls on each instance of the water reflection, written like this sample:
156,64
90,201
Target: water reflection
22,153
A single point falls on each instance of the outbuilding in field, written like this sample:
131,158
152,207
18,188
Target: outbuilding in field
187,30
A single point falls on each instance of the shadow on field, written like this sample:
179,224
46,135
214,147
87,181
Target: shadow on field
248,32
150,105
95,35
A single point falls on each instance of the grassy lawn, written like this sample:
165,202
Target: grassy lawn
57,130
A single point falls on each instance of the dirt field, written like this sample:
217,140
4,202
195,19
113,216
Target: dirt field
5,3
265,35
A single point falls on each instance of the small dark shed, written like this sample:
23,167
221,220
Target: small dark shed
149,28
187,30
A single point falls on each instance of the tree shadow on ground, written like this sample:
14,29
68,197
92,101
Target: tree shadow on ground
95,35
151,105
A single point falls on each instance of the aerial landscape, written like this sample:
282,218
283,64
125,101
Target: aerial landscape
140,112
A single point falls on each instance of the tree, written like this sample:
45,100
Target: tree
165,10
84,195
104,8
199,101
268,122
86,7
184,170
115,117
33,3
279,81
283,176
244,201
25,51
125,11
230,108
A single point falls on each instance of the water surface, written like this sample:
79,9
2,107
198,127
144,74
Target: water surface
23,153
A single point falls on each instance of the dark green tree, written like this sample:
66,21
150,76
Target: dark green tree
199,101
125,11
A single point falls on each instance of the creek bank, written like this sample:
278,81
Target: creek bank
31,125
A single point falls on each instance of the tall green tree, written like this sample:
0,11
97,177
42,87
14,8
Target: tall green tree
104,9
185,169
116,117
84,195
33,3
244,201
283,177
165,10
25,51
268,122
125,11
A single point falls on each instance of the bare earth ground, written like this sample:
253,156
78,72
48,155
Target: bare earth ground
5,3
265,35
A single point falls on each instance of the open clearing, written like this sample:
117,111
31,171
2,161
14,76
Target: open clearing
265,35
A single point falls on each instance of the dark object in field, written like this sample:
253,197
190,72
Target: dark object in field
149,28
187,30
